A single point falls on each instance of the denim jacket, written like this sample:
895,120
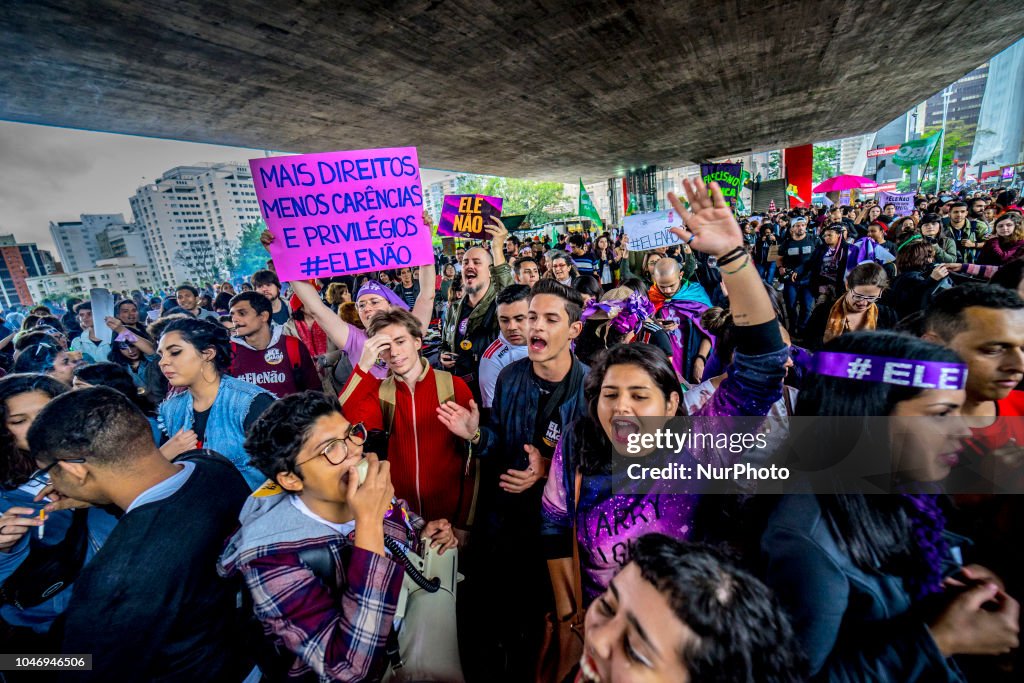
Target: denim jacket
224,429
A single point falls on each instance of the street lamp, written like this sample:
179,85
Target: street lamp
946,94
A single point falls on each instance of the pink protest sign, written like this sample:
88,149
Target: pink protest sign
466,215
335,213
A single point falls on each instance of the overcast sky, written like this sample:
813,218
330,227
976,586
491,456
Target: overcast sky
55,174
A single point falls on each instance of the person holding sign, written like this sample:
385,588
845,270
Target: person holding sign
472,322
88,343
372,299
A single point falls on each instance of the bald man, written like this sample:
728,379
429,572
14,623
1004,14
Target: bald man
670,283
471,323
678,305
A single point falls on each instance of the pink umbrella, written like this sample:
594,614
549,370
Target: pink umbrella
846,182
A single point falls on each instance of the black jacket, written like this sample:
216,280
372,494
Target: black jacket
814,333
150,605
853,625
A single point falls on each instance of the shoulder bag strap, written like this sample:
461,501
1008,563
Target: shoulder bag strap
577,585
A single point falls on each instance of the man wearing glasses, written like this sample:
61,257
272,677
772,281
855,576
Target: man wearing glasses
316,506
152,592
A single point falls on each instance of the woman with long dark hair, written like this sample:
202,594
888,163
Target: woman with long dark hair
24,627
865,578
1006,243
933,233
636,381
214,410
48,358
606,262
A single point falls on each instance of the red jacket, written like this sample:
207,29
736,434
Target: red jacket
427,460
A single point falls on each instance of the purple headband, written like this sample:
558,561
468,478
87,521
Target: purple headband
372,287
631,312
922,374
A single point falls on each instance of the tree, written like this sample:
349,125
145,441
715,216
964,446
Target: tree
774,165
248,255
958,144
824,163
204,260
538,200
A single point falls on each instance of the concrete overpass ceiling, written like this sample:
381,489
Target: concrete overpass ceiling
535,88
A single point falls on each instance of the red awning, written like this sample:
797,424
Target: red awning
990,174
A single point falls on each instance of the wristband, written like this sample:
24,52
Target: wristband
733,272
731,255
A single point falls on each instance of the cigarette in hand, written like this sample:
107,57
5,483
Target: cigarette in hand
42,527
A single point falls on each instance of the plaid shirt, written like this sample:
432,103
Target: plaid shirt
338,638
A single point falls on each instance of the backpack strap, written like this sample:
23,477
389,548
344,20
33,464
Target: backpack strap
386,395
445,386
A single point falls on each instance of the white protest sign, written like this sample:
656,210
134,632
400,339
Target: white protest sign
650,230
904,202
102,308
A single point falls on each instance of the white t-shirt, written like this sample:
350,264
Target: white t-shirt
498,355
344,528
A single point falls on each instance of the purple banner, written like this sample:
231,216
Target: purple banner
465,215
908,373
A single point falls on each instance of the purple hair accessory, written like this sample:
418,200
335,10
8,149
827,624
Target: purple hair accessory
629,314
372,287
922,374
927,523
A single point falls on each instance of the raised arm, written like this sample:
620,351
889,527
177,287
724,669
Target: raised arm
423,309
712,229
330,322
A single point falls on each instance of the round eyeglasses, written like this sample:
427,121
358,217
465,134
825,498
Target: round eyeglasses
336,450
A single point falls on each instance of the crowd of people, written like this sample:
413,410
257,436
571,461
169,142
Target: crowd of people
253,484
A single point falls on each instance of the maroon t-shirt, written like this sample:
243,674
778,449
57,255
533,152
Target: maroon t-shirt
285,367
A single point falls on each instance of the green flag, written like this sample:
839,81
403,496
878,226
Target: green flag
740,206
587,207
632,208
916,152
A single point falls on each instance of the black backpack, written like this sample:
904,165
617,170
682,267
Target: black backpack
49,569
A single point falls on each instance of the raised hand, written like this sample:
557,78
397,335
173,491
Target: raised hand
710,226
461,422
497,231
372,349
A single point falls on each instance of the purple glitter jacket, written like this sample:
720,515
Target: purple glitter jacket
608,525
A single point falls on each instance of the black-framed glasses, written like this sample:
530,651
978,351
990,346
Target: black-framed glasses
42,475
860,297
336,450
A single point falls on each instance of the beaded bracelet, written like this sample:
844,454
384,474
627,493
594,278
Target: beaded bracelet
730,256
733,272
